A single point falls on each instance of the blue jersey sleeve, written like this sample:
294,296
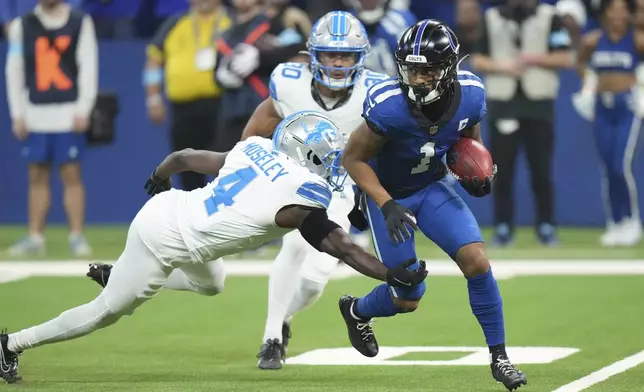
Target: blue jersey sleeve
474,96
379,107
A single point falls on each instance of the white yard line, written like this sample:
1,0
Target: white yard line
15,270
603,373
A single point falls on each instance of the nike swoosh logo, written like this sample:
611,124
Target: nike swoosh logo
403,283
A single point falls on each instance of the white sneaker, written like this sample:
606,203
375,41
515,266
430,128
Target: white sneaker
630,232
79,246
610,237
28,245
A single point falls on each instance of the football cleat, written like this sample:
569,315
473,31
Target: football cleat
271,355
360,331
504,372
286,335
8,361
100,273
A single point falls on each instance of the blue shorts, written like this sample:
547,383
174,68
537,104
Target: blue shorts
441,215
54,148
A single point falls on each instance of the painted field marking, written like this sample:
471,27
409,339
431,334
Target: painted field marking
471,356
603,373
16,270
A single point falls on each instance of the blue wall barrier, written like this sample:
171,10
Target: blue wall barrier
114,175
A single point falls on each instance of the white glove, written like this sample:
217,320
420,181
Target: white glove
245,60
584,100
584,103
226,77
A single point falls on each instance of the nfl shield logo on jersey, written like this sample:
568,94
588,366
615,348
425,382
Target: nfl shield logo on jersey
433,130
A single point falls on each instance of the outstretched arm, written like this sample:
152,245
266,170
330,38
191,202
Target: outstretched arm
326,236
200,161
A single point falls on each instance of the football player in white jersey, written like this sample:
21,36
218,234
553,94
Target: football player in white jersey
334,82
178,238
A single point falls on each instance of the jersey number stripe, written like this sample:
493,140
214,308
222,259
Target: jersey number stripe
228,187
428,151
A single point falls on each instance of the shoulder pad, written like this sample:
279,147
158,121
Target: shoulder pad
379,108
369,77
473,96
315,194
284,76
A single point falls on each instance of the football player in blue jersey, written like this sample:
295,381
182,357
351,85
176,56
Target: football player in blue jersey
395,157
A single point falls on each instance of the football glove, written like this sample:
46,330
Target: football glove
402,276
399,220
156,184
479,187
356,216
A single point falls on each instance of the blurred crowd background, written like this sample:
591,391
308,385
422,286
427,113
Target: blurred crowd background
198,68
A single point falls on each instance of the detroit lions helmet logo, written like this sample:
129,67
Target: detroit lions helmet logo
323,130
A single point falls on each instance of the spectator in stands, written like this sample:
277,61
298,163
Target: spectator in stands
184,55
52,83
290,26
573,15
259,40
114,19
522,45
468,26
385,21
612,97
11,9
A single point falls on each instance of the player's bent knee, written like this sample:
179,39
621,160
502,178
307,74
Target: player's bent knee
472,260
407,300
406,306
312,288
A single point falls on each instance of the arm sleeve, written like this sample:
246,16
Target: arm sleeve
15,71
87,57
374,109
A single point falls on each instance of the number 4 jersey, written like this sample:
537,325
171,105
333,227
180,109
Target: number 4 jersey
411,157
236,211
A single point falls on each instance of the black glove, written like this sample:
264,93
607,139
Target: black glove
401,276
356,216
399,219
156,184
478,187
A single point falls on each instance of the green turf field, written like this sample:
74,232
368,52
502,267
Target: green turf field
186,342
576,243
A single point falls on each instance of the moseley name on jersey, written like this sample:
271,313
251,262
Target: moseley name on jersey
264,161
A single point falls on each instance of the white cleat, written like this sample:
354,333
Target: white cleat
611,235
630,233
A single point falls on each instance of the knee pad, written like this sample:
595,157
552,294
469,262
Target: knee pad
311,288
410,294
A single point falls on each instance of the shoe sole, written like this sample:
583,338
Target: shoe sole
271,366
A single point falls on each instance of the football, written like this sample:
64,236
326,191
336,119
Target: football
469,158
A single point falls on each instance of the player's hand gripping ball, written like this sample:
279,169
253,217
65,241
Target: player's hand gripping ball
156,184
471,164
